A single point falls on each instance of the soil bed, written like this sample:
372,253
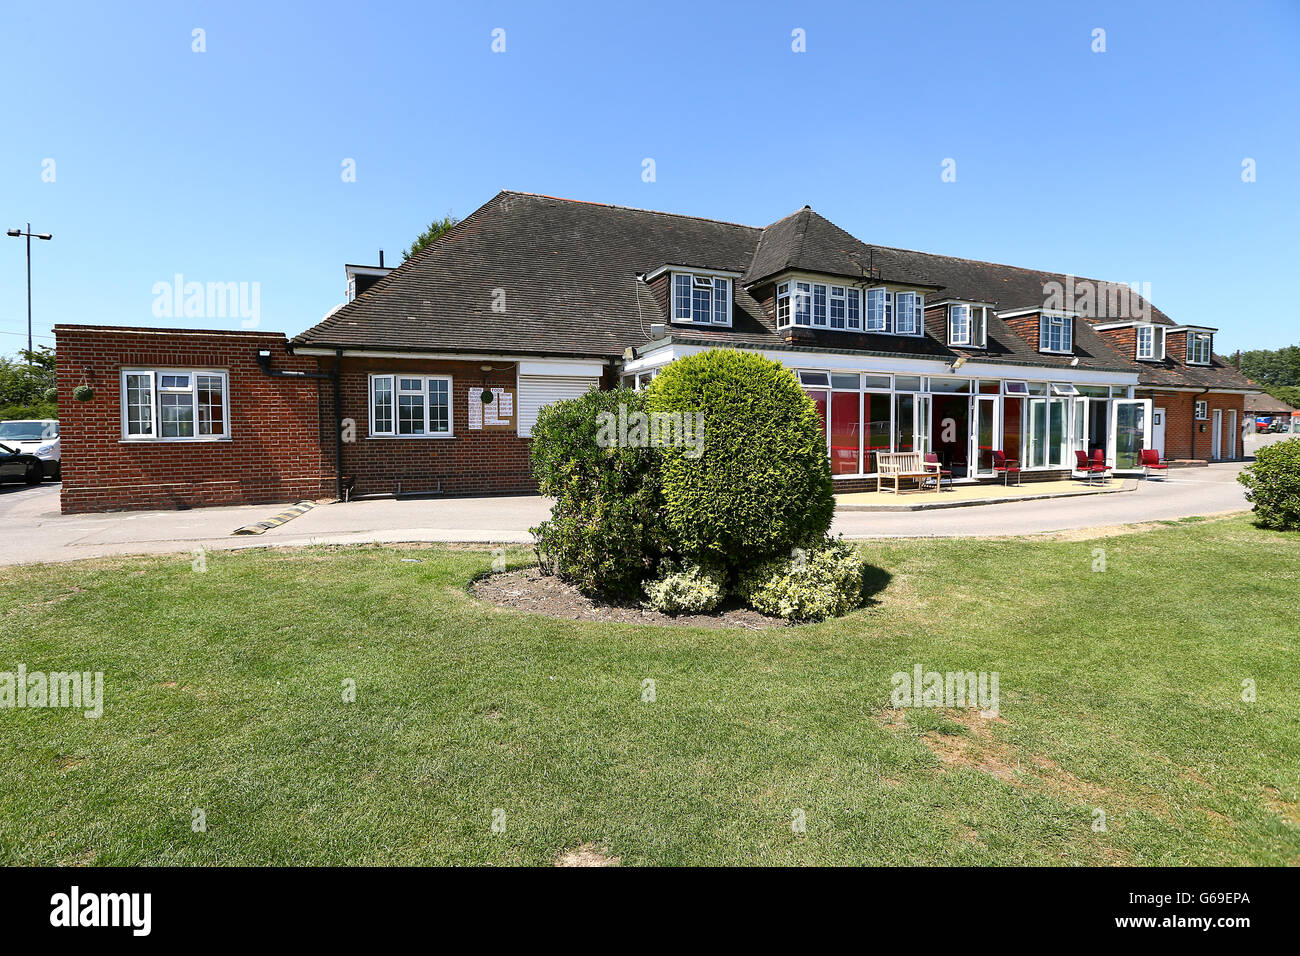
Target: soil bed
530,590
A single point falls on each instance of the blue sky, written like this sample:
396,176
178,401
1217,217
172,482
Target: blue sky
226,165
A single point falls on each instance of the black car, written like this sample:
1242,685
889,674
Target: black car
19,466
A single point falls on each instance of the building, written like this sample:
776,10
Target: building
428,379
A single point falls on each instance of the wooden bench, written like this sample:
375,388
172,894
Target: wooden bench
894,465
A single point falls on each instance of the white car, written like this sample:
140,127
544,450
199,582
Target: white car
39,437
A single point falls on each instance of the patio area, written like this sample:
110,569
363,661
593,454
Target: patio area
961,496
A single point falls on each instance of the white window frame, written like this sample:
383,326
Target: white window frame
718,288
1152,353
783,305
156,391
1201,410
853,309
914,302
1015,389
838,296
977,330
393,379
802,304
820,306
1194,341
1048,321
881,311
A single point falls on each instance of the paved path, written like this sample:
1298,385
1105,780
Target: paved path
34,530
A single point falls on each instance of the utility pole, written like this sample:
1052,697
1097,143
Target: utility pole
17,234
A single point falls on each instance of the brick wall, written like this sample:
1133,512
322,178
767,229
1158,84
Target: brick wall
274,453
476,462
1181,426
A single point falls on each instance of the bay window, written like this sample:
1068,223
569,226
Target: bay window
819,305
783,305
175,404
1055,333
802,303
837,307
701,299
1198,348
413,406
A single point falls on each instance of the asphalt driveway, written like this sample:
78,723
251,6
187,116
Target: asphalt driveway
34,530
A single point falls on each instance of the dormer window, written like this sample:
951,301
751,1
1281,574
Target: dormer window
967,326
1198,348
701,299
1056,334
880,311
1150,343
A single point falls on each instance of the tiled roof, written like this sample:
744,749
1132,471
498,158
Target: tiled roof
530,274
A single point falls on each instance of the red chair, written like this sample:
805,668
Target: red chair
1099,463
1086,465
1151,459
1006,467
933,466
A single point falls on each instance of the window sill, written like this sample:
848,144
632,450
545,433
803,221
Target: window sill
1055,352
407,437
204,440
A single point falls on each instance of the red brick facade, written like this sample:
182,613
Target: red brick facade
274,452
1182,430
471,462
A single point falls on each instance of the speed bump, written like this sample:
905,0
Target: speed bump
261,527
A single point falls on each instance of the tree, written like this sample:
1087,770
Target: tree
23,383
1272,367
436,229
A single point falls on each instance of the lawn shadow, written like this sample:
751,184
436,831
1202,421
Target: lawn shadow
874,580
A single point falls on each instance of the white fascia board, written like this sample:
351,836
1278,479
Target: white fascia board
1190,328
457,357
1037,310
841,362
953,300
676,267
548,367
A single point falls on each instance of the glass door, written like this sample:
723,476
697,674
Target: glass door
1130,432
984,434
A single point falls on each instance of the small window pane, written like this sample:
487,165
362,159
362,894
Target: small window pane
954,385
173,381
439,407
211,401
907,383
854,319
813,379
875,381
845,381
383,400
139,404
176,411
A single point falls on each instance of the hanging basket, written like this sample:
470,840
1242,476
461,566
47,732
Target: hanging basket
486,396
83,393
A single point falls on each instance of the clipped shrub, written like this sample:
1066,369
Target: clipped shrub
690,589
809,585
759,483
605,533
1273,485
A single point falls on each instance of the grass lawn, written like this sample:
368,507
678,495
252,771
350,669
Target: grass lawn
1120,690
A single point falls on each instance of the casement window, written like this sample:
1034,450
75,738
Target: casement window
837,307
854,309
175,404
1202,411
1015,388
966,326
909,309
880,310
1150,343
414,406
819,305
803,303
1198,348
783,305
1055,334
701,299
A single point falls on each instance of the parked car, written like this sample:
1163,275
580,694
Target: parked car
17,465
39,437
